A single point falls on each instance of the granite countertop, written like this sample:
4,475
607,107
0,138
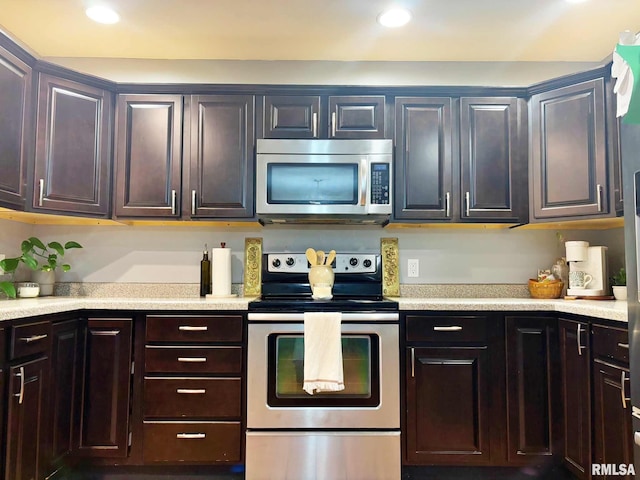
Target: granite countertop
21,308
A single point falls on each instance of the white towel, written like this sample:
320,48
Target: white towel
322,352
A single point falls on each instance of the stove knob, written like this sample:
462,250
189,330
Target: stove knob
290,261
367,263
276,263
353,261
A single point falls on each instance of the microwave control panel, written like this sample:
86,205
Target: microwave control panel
379,183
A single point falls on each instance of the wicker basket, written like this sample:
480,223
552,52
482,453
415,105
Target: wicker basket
545,289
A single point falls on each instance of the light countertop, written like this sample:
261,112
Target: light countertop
21,308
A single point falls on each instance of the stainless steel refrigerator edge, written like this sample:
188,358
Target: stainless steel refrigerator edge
630,152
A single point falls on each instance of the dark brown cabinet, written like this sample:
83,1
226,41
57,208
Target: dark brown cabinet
192,405
318,116
148,156
66,362
219,143
575,360
103,424
424,158
569,169
15,129
532,370
612,428
493,159
72,157
448,416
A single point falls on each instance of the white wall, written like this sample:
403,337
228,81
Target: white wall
172,254
323,72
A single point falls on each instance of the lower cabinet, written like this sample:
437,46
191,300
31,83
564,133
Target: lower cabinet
612,429
26,418
66,362
533,407
447,390
575,361
192,405
102,429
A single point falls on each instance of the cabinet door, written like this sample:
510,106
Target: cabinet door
72,166
568,152
493,159
531,389
65,392
104,417
291,116
447,406
15,129
612,430
356,116
221,132
576,397
26,418
148,156
424,159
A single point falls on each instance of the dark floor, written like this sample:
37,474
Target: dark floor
408,473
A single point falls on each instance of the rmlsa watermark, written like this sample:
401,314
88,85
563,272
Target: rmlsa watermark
613,469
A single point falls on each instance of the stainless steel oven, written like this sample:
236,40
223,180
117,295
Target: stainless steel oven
363,419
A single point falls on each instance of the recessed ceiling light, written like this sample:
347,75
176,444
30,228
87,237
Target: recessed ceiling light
575,1
102,14
395,17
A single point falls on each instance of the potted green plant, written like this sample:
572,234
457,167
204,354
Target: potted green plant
619,284
42,258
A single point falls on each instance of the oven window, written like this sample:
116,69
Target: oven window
360,358
315,183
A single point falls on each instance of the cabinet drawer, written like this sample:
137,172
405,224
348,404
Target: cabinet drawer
446,329
611,343
194,328
192,397
197,360
192,442
30,339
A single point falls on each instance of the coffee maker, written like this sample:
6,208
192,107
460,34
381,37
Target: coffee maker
590,261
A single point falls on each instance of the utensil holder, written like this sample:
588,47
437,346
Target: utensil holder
321,279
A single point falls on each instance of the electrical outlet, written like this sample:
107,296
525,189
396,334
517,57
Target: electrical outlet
413,268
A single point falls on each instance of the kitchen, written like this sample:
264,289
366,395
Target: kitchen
490,262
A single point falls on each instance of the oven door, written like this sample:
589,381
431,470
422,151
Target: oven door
370,400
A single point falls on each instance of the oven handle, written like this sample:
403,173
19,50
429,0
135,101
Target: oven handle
346,317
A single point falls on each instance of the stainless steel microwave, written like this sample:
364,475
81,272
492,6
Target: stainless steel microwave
324,181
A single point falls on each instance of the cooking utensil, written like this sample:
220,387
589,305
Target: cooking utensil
330,258
312,257
320,254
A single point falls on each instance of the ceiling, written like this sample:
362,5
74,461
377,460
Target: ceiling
441,30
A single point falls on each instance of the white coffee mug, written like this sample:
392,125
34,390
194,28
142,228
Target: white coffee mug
579,279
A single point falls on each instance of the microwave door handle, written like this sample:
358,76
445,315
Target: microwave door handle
364,174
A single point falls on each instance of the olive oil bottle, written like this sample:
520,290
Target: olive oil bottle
205,273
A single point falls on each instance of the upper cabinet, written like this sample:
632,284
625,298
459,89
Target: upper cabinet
72,159
568,164
15,129
219,145
316,116
493,159
148,158
460,159
424,158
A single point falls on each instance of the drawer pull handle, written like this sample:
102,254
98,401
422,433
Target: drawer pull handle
624,345
191,435
189,328
192,359
452,328
33,338
192,390
21,394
